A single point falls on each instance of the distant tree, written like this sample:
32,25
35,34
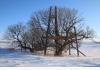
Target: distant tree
17,32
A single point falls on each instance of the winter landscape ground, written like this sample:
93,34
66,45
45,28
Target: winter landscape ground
49,33
16,58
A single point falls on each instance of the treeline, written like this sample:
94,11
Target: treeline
55,28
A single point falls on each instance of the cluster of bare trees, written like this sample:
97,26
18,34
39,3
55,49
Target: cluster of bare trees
59,28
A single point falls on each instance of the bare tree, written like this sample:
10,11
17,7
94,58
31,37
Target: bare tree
61,24
17,32
36,33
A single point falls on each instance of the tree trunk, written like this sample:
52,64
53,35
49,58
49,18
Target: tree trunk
32,48
69,49
45,50
58,51
76,42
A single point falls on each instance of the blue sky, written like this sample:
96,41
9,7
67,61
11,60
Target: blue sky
14,11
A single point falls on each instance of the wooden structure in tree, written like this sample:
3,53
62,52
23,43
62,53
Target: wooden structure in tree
68,39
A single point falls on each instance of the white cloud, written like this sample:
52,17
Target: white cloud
1,36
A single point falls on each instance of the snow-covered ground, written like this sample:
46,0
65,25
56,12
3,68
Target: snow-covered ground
16,58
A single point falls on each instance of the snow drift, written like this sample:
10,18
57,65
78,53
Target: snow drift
16,58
